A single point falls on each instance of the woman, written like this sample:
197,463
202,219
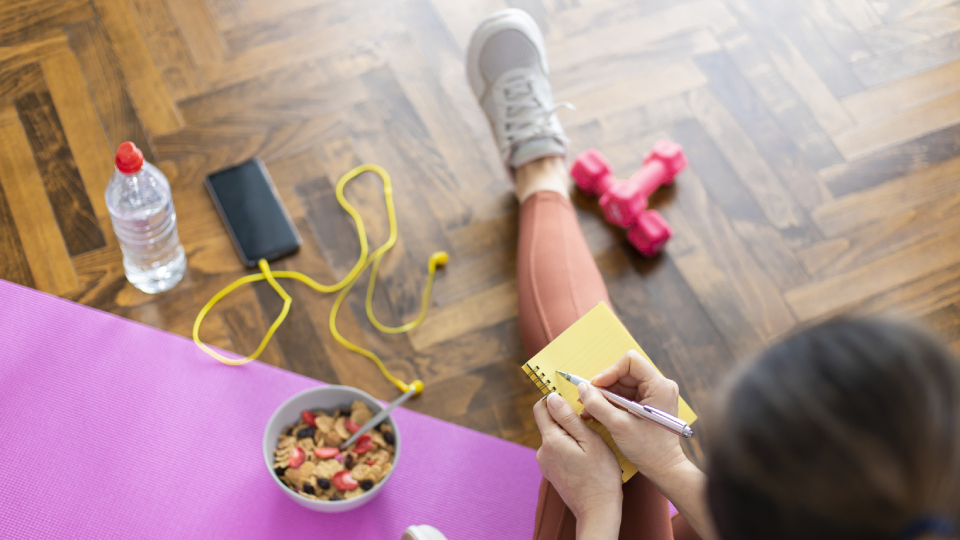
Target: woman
846,430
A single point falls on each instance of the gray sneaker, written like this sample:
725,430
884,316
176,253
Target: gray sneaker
507,70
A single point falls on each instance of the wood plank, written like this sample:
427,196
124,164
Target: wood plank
916,29
894,10
490,345
635,34
900,127
888,99
397,138
265,102
893,197
15,263
725,274
294,24
22,54
196,27
297,337
23,79
779,22
61,179
167,48
842,38
349,35
583,17
830,295
945,322
106,87
756,174
155,107
919,297
893,232
41,241
442,121
784,104
762,129
191,154
795,69
929,54
25,19
245,325
643,57
81,126
894,162
638,90
746,217
858,13
472,313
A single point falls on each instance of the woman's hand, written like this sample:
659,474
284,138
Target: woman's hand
651,448
580,466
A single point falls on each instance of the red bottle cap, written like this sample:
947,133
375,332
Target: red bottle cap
129,158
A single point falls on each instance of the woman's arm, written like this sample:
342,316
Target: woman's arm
686,487
655,451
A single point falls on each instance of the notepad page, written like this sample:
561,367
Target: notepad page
596,341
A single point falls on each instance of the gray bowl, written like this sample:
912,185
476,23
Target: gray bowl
326,398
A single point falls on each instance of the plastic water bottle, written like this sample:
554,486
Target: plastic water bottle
141,209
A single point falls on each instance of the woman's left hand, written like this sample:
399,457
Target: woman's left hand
579,464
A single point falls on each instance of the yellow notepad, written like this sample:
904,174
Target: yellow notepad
590,345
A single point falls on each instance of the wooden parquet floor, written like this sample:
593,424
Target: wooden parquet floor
823,137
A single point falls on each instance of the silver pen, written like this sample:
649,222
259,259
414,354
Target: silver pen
666,421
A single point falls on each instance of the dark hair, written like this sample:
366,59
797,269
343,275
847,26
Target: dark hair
848,430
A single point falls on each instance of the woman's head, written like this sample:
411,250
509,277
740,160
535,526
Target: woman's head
847,430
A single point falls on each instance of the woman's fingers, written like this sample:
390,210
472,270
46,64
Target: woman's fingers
567,418
548,426
602,410
632,370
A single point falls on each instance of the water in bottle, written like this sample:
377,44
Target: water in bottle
141,209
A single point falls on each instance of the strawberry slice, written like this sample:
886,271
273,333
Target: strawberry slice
364,444
344,481
326,452
351,426
309,418
371,462
296,457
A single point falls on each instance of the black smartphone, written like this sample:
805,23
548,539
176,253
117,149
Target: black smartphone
250,206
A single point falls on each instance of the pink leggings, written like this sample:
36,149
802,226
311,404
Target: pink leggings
557,282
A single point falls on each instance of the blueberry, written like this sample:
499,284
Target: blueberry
308,488
388,438
336,497
323,483
279,471
346,412
348,461
366,484
305,433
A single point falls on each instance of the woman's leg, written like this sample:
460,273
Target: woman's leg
558,282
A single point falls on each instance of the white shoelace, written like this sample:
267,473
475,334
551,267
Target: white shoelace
526,117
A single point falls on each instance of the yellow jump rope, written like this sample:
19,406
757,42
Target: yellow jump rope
439,258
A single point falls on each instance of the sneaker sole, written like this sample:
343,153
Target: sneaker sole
523,22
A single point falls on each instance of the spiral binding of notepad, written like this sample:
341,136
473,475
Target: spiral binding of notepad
539,379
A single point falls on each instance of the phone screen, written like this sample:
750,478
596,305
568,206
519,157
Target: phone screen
253,213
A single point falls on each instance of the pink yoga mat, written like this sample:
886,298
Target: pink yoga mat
112,429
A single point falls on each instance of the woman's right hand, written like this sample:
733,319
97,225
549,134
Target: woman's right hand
651,448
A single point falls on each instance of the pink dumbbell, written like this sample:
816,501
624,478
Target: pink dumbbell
592,173
649,233
624,202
